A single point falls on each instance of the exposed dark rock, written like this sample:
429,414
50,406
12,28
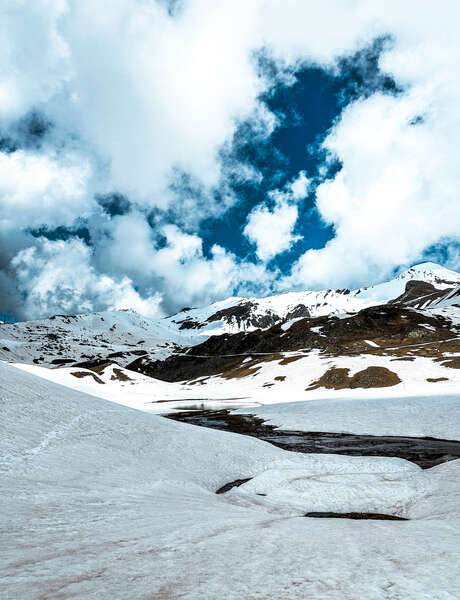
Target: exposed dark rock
299,311
418,293
62,361
65,318
228,486
190,324
355,516
243,315
94,363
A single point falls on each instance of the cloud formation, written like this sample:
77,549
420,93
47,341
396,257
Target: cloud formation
271,229
58,277
115,122
397,192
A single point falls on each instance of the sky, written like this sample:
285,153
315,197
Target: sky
156,154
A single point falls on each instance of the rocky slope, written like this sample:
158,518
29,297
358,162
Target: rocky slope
380,330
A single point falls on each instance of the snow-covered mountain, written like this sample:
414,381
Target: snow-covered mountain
123,336
246,314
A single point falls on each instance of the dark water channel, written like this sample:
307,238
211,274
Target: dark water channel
425,452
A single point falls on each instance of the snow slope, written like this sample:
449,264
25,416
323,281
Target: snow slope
79,337
106,502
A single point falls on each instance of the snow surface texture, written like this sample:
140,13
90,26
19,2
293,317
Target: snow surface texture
101,501
420,416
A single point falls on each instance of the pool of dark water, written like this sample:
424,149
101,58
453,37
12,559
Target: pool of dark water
425,452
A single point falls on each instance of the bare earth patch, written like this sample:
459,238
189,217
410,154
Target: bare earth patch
81,374
372,377
452,363
238,373
290,359
118,375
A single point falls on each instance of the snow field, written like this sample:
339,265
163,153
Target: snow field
101,501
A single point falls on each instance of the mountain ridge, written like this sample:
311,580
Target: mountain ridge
124,336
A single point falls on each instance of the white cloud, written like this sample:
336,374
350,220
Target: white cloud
34,57
43,189
299,187
397,191
190,278
149,92
58,277
270,227
178,268
271,230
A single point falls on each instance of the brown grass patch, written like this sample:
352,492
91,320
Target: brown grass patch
290,359
238,373
333,379
280,378
198,381
436,379
81,374
119,375
268,358
452,363
372,377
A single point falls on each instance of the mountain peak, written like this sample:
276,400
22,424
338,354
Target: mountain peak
428,268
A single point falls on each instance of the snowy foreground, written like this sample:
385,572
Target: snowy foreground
103,501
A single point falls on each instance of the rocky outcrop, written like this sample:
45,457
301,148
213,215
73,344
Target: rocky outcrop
419,294
299,311
245,316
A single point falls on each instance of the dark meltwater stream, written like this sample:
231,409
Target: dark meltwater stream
425,452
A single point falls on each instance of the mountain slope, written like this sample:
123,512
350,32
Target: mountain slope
122,336
246,314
